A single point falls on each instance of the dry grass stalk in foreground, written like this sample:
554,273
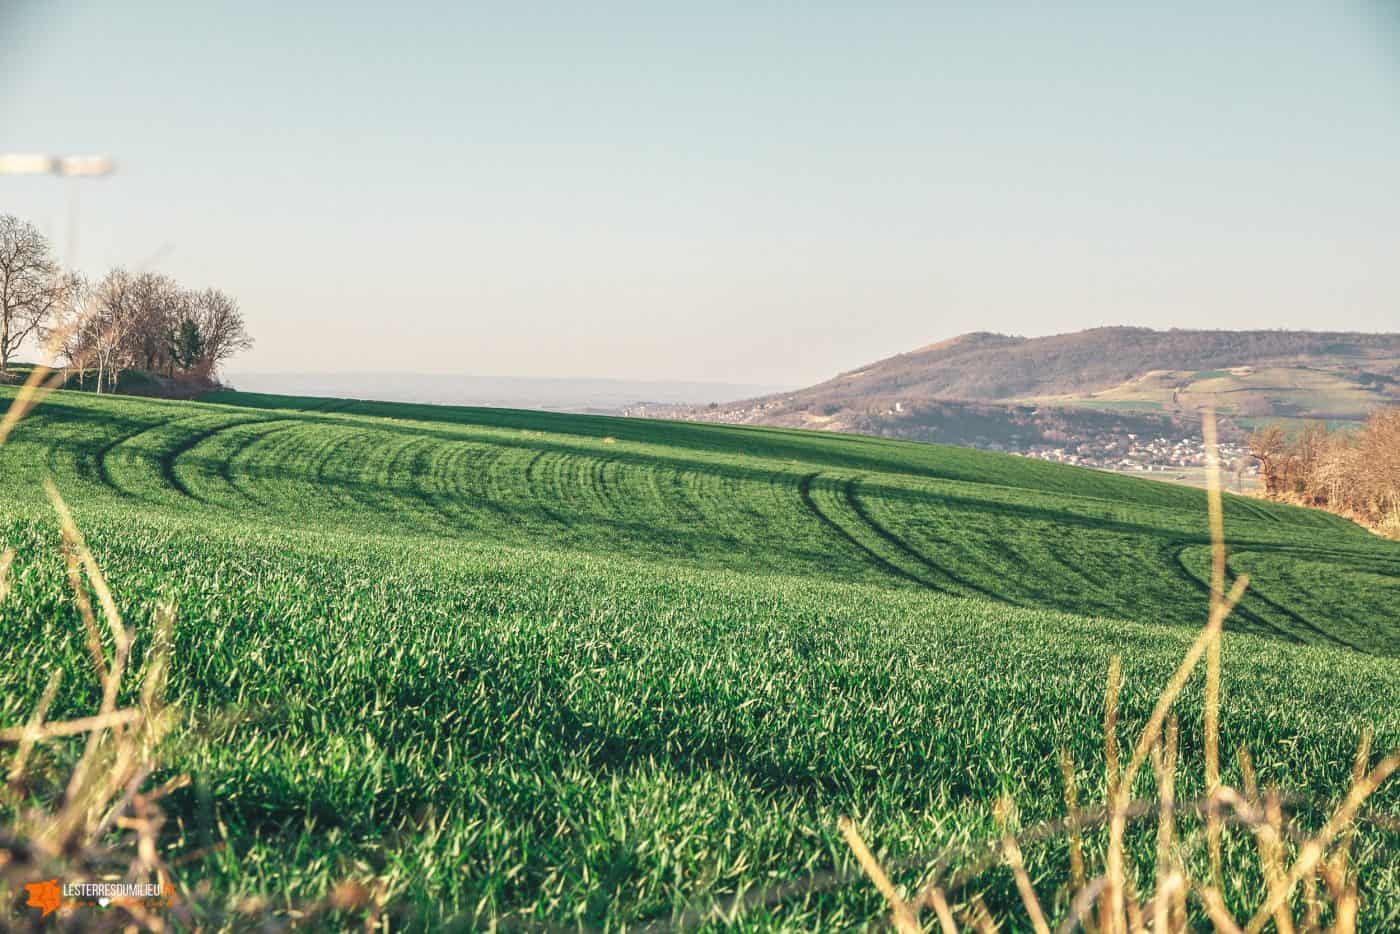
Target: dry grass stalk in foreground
101,801
1320,866
107,828
103,811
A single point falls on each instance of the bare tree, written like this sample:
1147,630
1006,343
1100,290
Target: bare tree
64,334
107,326
145,320
221,329
30,287
1355,473
1380,453
1268,446
157,303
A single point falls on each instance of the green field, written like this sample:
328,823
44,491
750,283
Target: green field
573,670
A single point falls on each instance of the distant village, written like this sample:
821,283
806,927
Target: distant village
1080,437
1161,455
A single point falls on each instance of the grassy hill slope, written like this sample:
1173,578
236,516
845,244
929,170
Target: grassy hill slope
579,669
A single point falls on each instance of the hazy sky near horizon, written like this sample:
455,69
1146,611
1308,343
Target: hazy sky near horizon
718,191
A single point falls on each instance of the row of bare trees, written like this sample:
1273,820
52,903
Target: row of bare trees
121,321
1355,473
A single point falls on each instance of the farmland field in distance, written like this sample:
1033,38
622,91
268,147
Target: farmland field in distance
572,669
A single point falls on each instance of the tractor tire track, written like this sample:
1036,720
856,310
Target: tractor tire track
804,491
164,460
849,491
1257,596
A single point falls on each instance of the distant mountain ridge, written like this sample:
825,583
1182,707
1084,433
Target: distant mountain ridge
1023,394
983,366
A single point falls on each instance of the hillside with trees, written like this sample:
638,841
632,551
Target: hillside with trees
1109,397
1353,473
124,331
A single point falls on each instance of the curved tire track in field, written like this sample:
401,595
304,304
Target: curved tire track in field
804,491
230,475
87,463
233,469
164,460
1261,596
426,470
103,471
350,477
534,485
899,544
1258,596
431,483
1251,508
453,469
409,462
1178,550
170,459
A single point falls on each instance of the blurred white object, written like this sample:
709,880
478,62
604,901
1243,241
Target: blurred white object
26,165
85,165
33,164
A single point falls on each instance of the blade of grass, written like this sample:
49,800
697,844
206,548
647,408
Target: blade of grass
1217,594
1076,843
1111,906
1005,815
1166,824
33,730
903,918
1311,852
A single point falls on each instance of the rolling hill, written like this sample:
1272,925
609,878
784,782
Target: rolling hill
564,670
1155,381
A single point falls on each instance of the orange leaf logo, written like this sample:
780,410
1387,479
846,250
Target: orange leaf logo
45,896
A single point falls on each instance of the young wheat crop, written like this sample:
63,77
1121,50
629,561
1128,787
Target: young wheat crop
1312,869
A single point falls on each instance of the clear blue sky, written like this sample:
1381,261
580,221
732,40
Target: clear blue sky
744,192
